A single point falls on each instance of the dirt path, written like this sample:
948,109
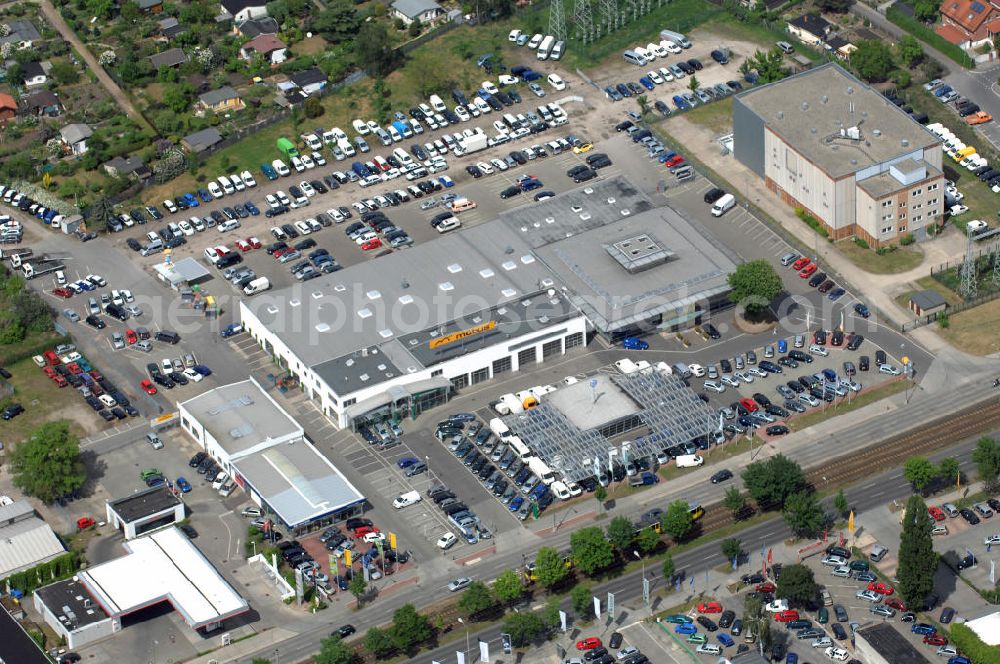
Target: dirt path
55,18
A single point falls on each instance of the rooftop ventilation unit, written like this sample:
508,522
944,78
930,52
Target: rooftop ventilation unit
454,268
852,133
905,143
322,327
486,273
373,295
805,106
406,299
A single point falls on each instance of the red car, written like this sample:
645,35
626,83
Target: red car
895,603
709,607
935,640
936,513
361,531
243,245
766,587
808,270
674,161
786,616
62,292
374,243
801,263
749,404
130,337
880,587
59,381
147,386
85,522
588,643
254,242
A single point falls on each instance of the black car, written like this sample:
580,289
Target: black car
356,522
707,623
510,192
622,126
863,363
662,107
854,341
778,651
474,171
133,244
751,579
711,331
713,195
12,411
197,459
777,430
344,631
308,243
726,365
189,530
966,562
817,279
947,614
839,632
721,476
969,516
726,619
95,322
585,175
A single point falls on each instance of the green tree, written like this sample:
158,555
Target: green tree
677,521
840,503
769,65
919,472
47,465
647,540
582,601
523,627
754,285
986,456
600,494
590,550
313,107
771,481
260,660
550,567
917,560
373,48
803,513
414,28
621,532
178,96
693,83
732,548
872,60
948,470
757,620
926,11
357,585
797,584
476,599
64,72
669,569
734,500
378,643
337,23
644,104
509,586
909,51
409,628
332,650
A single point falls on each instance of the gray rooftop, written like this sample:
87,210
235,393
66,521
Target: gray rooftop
25,540
890,644
145,503
298,482
23,30
204,139
73,595
213,97
74,133
169,58
636,266
589,407
241,416
808,111
928,299
414,8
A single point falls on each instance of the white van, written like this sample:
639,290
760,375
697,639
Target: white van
541,470
626,366
522,451
723,205
689,461
220,479
437,104
406,499
258,285
634,58
226,184
499,428
561,490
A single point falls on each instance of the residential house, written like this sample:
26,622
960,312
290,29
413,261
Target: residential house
150,6
243,10
43,102
967,22
411,10
257,26
173,57
74,138
132,167
223,100
272,49
310,81
840,47
22,33
810,29
202,140
36,74
8,107
169,28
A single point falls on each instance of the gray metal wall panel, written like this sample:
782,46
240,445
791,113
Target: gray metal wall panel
748,137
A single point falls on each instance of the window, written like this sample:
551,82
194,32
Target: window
349,402
501,366
902,229
902,215
458,382
526,356
933,187
916,192
886,204
437,372
885,230
902,204
480,375
933,201
886,217
552,348
574,340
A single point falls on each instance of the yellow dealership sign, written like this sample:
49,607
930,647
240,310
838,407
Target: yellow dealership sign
462,334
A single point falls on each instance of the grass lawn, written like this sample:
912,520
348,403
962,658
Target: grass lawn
313,46
800,422
902,259
929,283
717,116
43,402
974,330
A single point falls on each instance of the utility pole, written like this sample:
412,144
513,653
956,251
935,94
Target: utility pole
968,273
584,21
557,20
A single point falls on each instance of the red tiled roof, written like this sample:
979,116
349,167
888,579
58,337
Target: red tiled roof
951,34
968,14
6,101
264,44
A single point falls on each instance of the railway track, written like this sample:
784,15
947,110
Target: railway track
892,452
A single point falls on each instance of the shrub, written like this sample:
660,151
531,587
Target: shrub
811,221
861,243
972,647
942,319
907,239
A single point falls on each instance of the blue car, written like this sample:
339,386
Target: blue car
792,658
686,628
647,83
251,208
680,103
836,293
666,156
191,200
942,91
726,640
924,629
623,90
205,196
406,462
862,310
183,485
634,343
959,659
515,504
446,181
531,75
782,346
269,171
530,185
202,369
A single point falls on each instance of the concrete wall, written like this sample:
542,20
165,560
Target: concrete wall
748,137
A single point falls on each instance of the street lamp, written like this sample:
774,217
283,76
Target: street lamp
643,560
466,634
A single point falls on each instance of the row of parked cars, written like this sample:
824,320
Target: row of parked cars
671,160
66,366
24,203
965,108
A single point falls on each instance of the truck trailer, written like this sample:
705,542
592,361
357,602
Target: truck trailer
474,143
37,268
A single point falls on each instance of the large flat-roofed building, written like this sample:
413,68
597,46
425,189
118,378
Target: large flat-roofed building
393,337
164,566
829,144
25,539
267,454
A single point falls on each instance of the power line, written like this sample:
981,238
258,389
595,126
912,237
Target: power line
968,286
557,20
584,18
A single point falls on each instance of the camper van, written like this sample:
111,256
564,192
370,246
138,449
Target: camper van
626,366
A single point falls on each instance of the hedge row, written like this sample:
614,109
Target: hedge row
24,350
972,647
56,569
929,37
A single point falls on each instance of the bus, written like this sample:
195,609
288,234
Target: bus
696,510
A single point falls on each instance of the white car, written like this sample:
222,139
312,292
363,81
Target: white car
809,399
777,606
193,375
318,158
868,595
956,210
670,46
307,161
655,77
666,75
697,370
744,376
248,179
507,79
889,369
307,189
835,653
818,350
658,50
953,192
490,87
485,168
185,227
760,373
463,113
730,381
215,190
947,651
556,82
709,649
169,204
834,561
302,227
446,541
822,642
406,499
714,386
280,168
992,539
361,127
459,583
